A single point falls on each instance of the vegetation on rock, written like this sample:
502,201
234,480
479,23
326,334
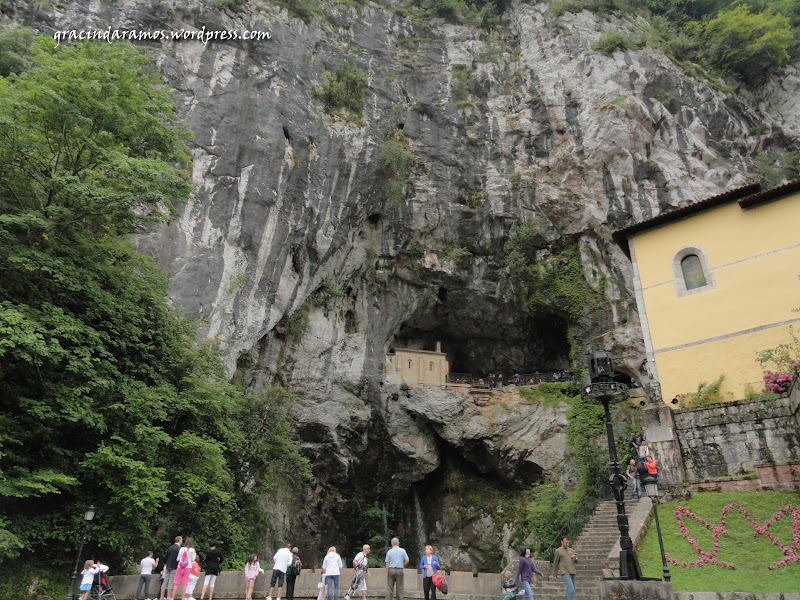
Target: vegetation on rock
106,395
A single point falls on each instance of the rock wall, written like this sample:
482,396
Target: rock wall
728,439
294,258
732,438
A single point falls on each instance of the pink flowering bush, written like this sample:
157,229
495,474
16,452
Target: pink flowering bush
781,382
789,552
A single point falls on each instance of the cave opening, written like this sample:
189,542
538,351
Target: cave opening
480,335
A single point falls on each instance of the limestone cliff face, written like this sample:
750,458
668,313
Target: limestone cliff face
292,218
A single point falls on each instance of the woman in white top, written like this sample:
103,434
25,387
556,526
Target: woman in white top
644,451
332,566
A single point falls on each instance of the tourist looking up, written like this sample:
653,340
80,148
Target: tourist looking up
281,562
332,566
213,560
146,566
170,566
396,560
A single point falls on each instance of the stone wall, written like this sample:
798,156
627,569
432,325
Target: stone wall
757,440
734,437
230,584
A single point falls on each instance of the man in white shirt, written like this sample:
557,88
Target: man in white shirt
361,562
281,562
146,566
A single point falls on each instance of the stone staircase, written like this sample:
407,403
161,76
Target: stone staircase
592,547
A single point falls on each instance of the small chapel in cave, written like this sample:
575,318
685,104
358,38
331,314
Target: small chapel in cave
419,367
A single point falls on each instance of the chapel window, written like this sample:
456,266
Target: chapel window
692,270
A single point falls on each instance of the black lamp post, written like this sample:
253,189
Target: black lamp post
87,517
603,389
651,486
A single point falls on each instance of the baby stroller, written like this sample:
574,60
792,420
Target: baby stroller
358,577
101,589
507,580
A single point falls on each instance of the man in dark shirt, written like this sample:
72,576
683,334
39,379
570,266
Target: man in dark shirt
170,566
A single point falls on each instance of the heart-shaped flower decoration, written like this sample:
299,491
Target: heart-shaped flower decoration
790,552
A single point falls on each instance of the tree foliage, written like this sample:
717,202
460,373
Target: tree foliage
106,396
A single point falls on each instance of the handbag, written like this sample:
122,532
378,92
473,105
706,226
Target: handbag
437,579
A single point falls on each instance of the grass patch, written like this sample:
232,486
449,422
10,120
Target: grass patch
751,555
549,394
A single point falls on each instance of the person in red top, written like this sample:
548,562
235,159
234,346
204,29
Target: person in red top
652,468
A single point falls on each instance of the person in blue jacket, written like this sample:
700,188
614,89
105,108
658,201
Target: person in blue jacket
525,571
429,565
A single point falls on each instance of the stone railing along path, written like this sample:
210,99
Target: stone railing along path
593,546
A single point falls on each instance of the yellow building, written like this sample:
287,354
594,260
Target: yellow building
715,282
420,367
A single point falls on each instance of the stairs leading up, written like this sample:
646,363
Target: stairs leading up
592,547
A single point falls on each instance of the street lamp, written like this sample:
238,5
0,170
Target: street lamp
651,487
87,517
603,389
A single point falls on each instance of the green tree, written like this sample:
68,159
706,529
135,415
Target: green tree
106,396
747,44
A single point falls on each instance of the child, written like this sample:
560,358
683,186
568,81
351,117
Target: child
251,571
87,577
507,587
194,575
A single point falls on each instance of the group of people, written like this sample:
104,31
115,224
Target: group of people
647,465
563,565
181,571
286,566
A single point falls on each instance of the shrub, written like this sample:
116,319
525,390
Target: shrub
460,83
302,9
707,393
747,44
610,41
343,88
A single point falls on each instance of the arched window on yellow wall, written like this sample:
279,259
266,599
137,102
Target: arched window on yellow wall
692,270
410,363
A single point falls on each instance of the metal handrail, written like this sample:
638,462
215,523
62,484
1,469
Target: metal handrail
579,517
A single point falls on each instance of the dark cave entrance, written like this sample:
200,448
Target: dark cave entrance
482,335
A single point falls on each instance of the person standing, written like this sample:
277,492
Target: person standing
252,569
291,574
331,566
280,562
652,468
213,560
146,566
564,566
644,451
636,441
170,566
194,575
362,562
396,559
429,565
636,484
186,557
525,571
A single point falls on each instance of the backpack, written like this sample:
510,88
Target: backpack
294,568
183,560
